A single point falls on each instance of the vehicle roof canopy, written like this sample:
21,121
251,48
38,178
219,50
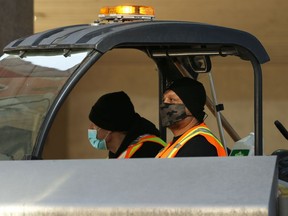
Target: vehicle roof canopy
143,35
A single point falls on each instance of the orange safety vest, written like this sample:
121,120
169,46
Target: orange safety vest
130,151
171,150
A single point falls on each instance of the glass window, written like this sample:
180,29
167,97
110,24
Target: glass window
28,87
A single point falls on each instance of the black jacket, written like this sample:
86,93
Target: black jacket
198,146
140,126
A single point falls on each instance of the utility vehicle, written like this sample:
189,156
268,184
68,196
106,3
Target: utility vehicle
38,72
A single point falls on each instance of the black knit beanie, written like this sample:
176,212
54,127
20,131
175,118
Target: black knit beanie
193,95
113,111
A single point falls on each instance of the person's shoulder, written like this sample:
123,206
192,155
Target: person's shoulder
197,146
148,149
199,139
152,144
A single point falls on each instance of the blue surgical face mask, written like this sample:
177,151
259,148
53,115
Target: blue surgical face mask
95,142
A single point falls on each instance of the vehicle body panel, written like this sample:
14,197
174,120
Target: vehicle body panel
235,186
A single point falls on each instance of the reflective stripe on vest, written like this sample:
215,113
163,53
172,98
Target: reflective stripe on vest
203,130
139,142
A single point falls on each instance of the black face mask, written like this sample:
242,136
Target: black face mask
172,113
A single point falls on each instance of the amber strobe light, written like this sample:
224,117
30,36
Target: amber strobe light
127,11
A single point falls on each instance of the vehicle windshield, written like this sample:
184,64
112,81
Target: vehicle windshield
28,87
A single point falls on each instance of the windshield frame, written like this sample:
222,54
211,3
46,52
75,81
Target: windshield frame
90,59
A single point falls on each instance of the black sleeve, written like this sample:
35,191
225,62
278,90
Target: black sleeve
198,146
148,149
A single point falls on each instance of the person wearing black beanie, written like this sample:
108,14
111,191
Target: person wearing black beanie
182,111
115,126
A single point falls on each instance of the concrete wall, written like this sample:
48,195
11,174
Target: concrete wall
16,20
265,19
